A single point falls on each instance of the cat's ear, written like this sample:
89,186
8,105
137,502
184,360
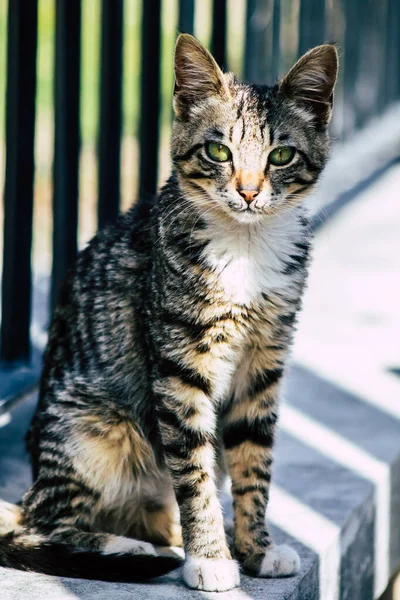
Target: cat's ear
311,81
197,75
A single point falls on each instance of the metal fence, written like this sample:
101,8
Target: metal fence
367,32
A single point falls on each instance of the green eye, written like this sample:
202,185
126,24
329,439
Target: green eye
218,152
282,155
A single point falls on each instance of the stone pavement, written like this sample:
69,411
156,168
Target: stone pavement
336,491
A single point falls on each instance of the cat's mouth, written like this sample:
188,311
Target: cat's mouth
254,208
249,213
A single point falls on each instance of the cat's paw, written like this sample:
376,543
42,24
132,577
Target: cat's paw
279,561
10,517
211,575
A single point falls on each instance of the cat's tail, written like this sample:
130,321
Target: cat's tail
30,553
120,562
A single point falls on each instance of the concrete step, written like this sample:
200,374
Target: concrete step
324,502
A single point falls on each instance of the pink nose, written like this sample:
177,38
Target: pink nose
249,195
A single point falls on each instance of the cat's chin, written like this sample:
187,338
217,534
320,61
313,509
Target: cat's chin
248,217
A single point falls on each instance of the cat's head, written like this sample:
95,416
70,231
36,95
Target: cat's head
246,151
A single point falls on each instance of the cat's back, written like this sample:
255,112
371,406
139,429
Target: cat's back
96,355
96,328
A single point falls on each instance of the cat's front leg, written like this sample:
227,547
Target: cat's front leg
249,430
187,423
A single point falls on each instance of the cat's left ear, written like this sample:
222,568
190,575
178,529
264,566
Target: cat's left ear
311,81
197,75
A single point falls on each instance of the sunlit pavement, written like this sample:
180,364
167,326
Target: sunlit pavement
336,492
350,326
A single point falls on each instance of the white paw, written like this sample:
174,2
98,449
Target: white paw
10,516
280,561
211,575
123,545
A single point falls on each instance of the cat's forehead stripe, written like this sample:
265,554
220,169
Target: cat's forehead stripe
250,128
238,130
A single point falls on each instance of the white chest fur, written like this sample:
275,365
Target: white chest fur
249,260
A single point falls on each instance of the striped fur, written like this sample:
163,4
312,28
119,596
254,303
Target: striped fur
167,350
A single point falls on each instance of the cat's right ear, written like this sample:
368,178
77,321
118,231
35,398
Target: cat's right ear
197,75
311,81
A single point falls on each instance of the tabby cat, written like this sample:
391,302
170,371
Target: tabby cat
167,350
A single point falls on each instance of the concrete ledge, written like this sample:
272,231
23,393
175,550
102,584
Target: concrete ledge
324,503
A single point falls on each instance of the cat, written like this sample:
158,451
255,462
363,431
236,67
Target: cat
167,350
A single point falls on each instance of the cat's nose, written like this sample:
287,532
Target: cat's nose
249,194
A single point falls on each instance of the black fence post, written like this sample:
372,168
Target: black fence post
109,145
150,96
66,140
371,70
186,16
218,37
276,40
392,75
350,67
261,60
19,176
312,24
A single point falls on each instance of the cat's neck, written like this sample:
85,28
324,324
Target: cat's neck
251,260
247,259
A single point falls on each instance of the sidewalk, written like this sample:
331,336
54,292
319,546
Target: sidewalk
349,336
336,491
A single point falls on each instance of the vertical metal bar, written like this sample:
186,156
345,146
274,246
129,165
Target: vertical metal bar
312,24
150,96
365,90
392,74
186,16
369,85
109,144
276,40
334,31
66,139
350,68
259,52
251,58
18,190
379,29
219,37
